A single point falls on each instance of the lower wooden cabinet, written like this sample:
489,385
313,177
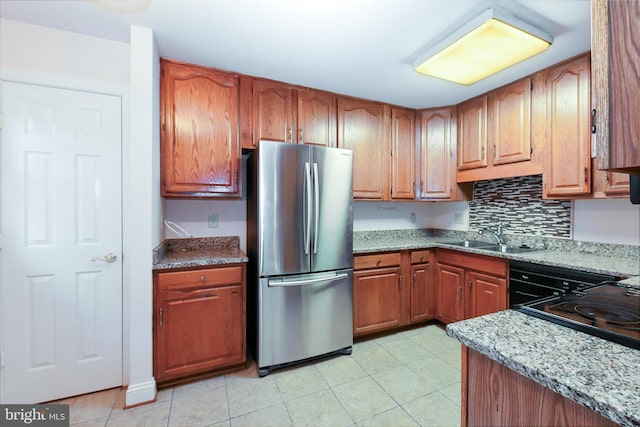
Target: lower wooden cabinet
391,290
494,395
199,321
469,285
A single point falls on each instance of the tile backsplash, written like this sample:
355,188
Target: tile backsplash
517,203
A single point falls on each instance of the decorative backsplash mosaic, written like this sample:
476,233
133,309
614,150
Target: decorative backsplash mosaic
517,203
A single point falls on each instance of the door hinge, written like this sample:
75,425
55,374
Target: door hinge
235,177
414,280
161,315
400,281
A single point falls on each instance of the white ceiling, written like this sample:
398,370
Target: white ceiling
362,48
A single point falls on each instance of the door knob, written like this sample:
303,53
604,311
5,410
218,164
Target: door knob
110,257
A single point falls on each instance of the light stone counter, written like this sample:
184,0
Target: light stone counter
599,374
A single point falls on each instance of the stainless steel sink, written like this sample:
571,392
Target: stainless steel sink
505,249
470,244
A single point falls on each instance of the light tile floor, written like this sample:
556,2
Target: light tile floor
409,378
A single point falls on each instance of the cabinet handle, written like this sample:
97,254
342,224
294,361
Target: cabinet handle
301,136
378,262
421,258
494,151
584,174
202,278
460,292
161,315
290,134
481,153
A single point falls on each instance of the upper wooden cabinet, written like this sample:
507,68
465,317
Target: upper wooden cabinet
437,154
567,171
615,58
472,133
281,112
199,141
273,112
509,123
363,127
403,137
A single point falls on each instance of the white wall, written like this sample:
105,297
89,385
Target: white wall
606,221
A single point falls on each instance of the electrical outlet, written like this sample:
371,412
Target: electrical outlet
213,221
412,217
458,219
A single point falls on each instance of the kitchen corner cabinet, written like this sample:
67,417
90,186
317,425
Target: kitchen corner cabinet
363,127
494,395
437,154
403,137
615,60
391,290
469,285
472,133
199,322
199,139
567,171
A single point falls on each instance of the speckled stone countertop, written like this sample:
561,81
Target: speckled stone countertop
599,374
616,260
198,252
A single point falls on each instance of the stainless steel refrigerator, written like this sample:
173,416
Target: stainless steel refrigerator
300,247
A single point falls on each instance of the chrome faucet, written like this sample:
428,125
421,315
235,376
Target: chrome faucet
497,234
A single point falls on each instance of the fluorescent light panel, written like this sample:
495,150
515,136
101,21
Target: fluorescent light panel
488,44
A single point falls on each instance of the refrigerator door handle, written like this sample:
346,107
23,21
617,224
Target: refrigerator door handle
281,282
307,187
316,186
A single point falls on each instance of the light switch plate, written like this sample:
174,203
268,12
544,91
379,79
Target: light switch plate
213,221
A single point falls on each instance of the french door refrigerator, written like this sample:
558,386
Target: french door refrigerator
300,247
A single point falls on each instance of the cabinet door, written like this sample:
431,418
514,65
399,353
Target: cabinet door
199,330
403,140
422,295
437,148
472,133
316,118
450,293
376,299
568,169
615,50
484,294
200,146
273,114
363,128
510,122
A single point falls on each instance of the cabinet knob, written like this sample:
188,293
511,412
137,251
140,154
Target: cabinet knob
421,257
202,278
469,284
378,262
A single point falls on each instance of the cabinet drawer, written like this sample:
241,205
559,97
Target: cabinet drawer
362,262
198,278
486,264
419,257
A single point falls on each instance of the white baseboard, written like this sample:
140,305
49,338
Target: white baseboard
141,393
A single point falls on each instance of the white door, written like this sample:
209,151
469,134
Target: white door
61,211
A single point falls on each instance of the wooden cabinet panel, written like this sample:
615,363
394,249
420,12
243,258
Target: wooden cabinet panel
472,133
403,137
615,51
316,118
450,285
273,113
437,158
200,145
362,127
422,295
567,170
499,396
377,300
486,294
199,322
510,122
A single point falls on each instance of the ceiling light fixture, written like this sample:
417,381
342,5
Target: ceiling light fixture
489,43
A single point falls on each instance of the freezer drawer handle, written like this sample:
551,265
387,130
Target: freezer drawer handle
280,282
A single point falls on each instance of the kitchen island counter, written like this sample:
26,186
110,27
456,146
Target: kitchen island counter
598,374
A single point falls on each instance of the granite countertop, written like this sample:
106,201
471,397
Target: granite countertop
616,260
198,252
599,374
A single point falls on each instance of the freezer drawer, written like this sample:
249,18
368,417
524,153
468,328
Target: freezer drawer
303,316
